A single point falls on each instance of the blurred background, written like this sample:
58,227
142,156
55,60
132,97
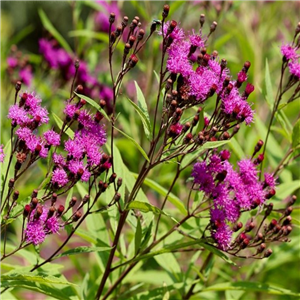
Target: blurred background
247,31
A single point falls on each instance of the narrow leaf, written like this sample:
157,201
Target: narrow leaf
144,118
296,134
83,249
145,207
142,104
135,143
47,24
250,286
138,236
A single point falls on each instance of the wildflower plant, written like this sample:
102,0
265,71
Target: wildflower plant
226,208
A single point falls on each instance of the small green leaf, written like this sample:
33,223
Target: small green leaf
143,107
60,123
47,24
250,286
296,134
94,104
145,120
83,249
135,143
145,207
269,89
287,188
138,236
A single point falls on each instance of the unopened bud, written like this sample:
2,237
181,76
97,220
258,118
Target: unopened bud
72,201
112,17
117,197
261,248
133,61
119,182
79,89
247,65
213,26
245,243
60,210
77,216
268,253
287,221
51,212
54,198
125,22
249,226
165,11
16,195
202,20
11,183
237,226
141,34
112,178
26,210
34,202
85,199
288,211
187,138
293,200
271,193
18,85
269,209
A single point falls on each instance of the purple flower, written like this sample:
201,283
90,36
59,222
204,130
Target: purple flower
203,177
59,159
70,110
177,34
48,52
2,155
37,228
35,232
12,62
52,138
248,171
242,76
289,52
178,59
294,68
26,75
52,225
196,40
18,115
74,148
60,177
77,167
270,180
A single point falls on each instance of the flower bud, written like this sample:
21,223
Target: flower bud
172,26
237,226
85,199
18,85
51,212
38,212
268,253
247,65
77,216
165,11
117,197
187,138
119,182
79,89
258,237
288,211
112,18
60,210
26,210
287,221
271,193
16,195
132,39
202,20
141,34
72,201
124,22
53,199
213,27
261,248
133,61
249,226
113,37
258,146
34,193
293,200
11,183
269,209
34,202
112,178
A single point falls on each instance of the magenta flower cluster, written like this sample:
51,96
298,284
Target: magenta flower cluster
290,54
209,75
59,59
39,226
231,191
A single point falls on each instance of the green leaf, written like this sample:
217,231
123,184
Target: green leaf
145,120
138,235
296,134
250,286
143,108
162,191
217,252
145,207
287,188
47,24
83,249
135,143
60,123
269,89
94,104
